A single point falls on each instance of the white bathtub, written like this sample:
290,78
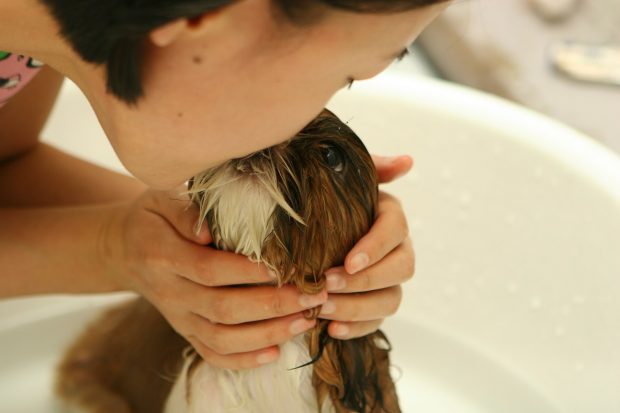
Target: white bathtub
515,306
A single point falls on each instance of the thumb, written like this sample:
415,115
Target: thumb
182,214
390,168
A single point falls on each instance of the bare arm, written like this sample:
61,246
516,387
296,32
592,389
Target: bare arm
48,242
53,250
35,174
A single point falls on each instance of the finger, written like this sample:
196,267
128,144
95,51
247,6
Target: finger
225,339
390,168
230,305
388,231
345,331
175,207
239,361
362,306
396,268
210,267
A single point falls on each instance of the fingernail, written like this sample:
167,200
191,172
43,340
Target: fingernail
266,357
359,262
301,325
340,330
309,301
335,282
328,308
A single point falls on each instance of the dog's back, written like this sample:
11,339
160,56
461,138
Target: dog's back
125,362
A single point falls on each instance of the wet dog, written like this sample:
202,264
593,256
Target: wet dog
298,207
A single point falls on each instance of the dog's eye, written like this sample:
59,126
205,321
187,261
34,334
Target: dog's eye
333,159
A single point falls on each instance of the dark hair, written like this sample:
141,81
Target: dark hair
112,32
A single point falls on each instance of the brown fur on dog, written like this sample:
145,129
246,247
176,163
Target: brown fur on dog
125,362
326,186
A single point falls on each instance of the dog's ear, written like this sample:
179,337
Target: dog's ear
326,176
301,251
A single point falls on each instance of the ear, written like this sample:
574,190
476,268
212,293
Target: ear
168,33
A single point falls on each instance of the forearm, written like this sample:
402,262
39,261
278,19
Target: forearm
45,176
54,250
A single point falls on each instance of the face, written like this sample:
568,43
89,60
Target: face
302,192
246,81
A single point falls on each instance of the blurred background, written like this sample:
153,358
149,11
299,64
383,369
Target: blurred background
516,219
558,57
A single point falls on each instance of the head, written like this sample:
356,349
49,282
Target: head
299,207
181,85
287,205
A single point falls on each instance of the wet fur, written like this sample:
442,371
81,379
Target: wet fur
308,215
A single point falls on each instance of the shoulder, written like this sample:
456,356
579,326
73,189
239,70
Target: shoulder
15,72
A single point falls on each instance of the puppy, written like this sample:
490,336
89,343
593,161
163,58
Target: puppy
298,207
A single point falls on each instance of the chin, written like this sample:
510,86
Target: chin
298,207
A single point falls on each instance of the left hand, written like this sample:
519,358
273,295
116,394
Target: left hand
368,288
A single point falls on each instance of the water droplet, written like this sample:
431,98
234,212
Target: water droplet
511,218
465,199
513,288
417,225
446,173
462,137
559,331
535,303
447,193
579,299
538,172
450,290
579,367
555,182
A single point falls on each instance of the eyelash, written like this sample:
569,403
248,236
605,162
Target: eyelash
400,57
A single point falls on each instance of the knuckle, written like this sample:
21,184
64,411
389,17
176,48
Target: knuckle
165,297
218,342
403,225
273,337
156,260
350,312
203,269
365,281
278,307
409,265
363,329
220,311
395,303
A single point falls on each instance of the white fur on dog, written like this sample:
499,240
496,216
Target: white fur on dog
273,388
243,196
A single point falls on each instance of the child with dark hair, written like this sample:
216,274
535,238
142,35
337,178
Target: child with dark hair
180,86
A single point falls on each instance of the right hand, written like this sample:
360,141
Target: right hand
150,246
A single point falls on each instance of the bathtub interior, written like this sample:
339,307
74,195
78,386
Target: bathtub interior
516,224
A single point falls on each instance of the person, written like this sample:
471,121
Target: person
179,86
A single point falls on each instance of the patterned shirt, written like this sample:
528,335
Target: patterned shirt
15,72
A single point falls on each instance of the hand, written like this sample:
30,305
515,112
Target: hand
367,289
150,246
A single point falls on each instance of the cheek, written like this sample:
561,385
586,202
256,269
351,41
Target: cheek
265,108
